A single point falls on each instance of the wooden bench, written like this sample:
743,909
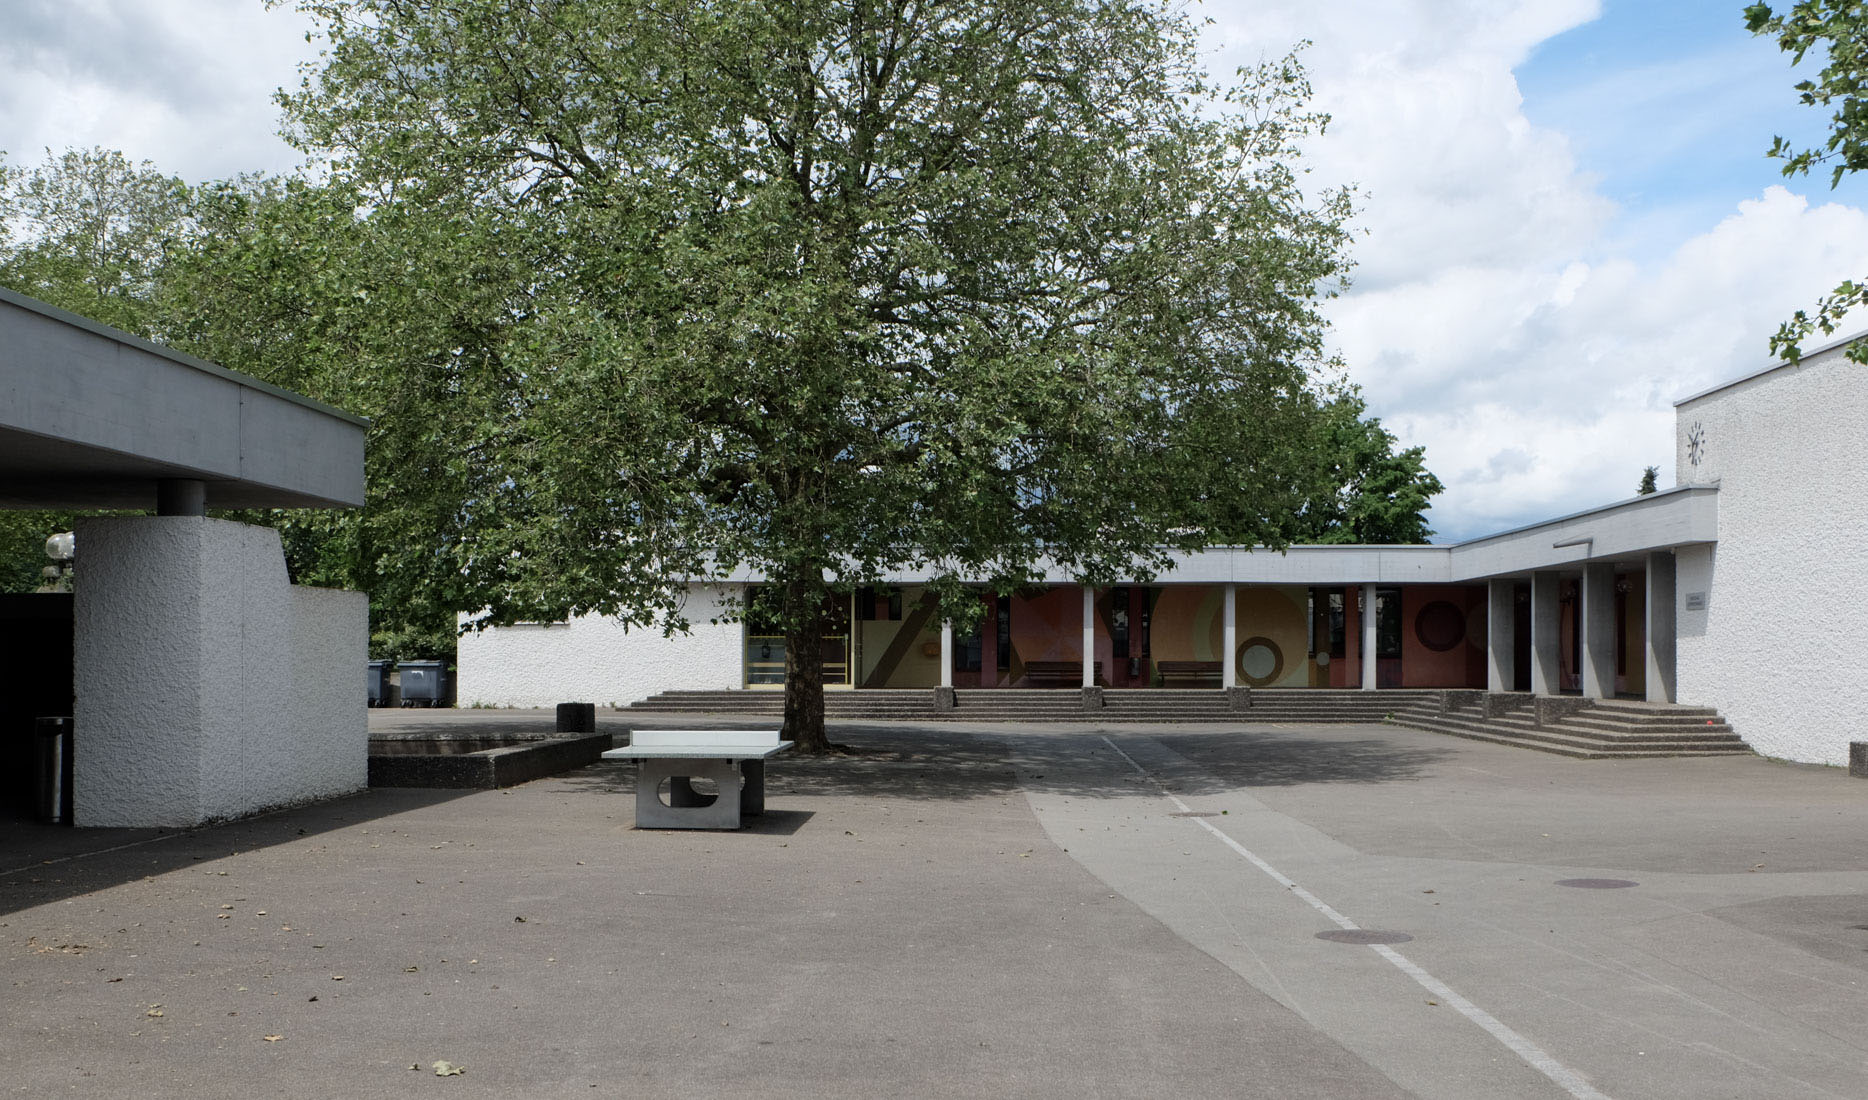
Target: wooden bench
733,759
1058,673
1190,673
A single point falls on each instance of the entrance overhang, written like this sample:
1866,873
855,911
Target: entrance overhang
93,418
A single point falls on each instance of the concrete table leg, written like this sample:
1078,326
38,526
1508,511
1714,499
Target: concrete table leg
687,809
752,787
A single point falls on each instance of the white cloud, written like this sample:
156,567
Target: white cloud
186,84
1494,318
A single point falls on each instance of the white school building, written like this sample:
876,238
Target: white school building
1740,588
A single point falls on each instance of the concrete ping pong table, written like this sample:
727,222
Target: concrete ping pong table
733,759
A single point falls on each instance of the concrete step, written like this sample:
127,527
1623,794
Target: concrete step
1558,741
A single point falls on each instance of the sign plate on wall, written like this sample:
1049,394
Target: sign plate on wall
1696,601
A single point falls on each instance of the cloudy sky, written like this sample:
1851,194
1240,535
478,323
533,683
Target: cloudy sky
1567,218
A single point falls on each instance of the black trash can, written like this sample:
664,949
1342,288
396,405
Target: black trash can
422,683
379,683
52,769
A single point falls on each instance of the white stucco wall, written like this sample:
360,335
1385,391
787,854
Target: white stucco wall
1777,646
592,659
207,686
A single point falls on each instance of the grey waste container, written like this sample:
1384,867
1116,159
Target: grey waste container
52,769
379,683
422,683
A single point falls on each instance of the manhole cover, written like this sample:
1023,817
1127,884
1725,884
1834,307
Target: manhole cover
1597,883
1195,813
1363,935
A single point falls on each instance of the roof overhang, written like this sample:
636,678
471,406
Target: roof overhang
91,417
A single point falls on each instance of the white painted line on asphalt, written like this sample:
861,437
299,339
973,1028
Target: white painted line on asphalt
1536,1057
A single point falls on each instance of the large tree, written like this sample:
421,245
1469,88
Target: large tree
1837,32
826,288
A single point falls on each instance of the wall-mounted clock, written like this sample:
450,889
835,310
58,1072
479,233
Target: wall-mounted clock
1696,443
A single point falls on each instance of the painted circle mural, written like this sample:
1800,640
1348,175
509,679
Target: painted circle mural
1440,626
1260,662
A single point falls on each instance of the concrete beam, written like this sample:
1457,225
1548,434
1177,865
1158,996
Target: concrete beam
94,418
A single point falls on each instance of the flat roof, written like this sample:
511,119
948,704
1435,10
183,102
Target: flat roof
92,417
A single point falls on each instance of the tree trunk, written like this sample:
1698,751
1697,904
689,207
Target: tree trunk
804,670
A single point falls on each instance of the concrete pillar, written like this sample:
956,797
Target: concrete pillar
1661,629
1089,636
181,496
207,686
946,654
1598,631
1368,637
1546,633
1500,634
1229,644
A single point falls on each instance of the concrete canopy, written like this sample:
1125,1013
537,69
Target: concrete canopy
91,417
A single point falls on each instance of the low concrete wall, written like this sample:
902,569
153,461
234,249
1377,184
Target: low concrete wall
489,768
207,685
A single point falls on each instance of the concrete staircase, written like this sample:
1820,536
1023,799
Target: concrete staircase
1060,705
1570,726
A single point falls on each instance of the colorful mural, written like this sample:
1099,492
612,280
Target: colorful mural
1287,636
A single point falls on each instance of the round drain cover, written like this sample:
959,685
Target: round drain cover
1597,883
1195,813
1363,935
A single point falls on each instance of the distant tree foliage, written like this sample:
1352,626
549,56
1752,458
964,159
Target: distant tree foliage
1369,493
1650,481
1837,32
833,288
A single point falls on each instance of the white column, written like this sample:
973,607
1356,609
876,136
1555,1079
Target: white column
1229,635
1500,634
946,654
1661,627
1598,631
1546,633
1368,637
1089,636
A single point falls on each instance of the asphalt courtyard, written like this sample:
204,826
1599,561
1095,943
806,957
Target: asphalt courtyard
975,911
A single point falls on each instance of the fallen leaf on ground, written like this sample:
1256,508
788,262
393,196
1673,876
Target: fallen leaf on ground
274,1038
448,1069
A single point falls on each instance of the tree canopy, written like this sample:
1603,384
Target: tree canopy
1837,32
830,288
1369,493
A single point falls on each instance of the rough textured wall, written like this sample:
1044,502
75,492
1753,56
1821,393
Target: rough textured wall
207,686
592,659
138,669
1772,648
330,630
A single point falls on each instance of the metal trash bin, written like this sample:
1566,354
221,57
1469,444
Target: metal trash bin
52,769
423,683
379,683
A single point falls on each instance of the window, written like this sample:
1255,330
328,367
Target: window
1388,622
1119,623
